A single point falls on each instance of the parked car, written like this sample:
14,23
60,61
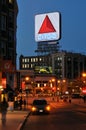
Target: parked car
40,106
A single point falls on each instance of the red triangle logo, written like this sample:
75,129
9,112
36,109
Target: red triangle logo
47,26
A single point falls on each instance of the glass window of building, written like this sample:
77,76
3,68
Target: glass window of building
22,65
40,59
31,59
31,65
60,58
27,65
10,53
28,60
3,22
11,36
3,1
3,48
69,58
10,1
23,60
11,16
36,59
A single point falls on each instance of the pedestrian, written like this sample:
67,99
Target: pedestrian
20,103
69,100
3,109
24,102
84,98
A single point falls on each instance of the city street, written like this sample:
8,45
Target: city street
64,115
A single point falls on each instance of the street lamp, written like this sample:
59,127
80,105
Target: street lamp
1,89
61,85
83,74
27,78
84,77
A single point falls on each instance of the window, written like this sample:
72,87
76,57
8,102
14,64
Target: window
11,16
28,60
10,1
11,36
2,48
40,59
3,22
31,65
3,1
22,65
31,59
22,60
36,59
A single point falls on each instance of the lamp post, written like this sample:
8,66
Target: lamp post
61,85
84,78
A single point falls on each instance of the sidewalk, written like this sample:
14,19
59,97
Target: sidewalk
14,121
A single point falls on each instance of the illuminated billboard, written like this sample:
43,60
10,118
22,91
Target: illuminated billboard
43,69
47,27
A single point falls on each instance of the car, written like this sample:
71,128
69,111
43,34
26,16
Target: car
40,106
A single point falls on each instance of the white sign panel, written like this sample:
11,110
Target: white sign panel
47,27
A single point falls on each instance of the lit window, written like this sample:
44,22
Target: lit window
32,59
22,60
22,65
10,1
60,58
25,66
36,59
25,59
40,59
31,65
28,65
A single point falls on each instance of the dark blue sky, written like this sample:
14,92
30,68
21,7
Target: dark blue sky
73,13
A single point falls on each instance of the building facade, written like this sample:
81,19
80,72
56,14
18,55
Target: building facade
8,27
62,66
68,65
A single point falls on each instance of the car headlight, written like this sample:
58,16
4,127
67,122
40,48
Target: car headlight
48,108
34,108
